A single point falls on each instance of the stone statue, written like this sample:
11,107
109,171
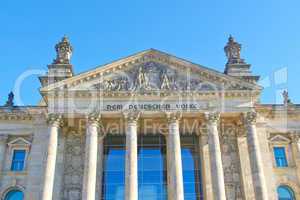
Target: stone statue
165,85
286,100
142,79
10,100
232,50
63,52
109,85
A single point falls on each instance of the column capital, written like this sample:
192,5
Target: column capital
131,116
212,117
250,117
94,118
173,117
295,137
55,119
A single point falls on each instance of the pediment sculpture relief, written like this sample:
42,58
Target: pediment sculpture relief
152,76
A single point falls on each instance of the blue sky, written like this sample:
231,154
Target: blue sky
197,30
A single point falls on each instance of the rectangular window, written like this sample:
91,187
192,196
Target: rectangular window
152,167
191,168
280,157
114,168
18,160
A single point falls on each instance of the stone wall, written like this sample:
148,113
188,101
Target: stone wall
73,165
231,165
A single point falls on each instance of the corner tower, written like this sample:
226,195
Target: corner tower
61,67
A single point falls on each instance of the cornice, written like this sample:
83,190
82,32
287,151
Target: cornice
273,111
21,113
158,93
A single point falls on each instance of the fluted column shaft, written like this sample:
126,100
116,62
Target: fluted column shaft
175,187
255,157
91,148
131,166
216,156
54,122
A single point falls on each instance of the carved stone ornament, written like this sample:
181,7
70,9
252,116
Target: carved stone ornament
165,85
94,118
173,117
55,119
295,137
131,116
241,131
153,77
212,117
63,52
250,117
142,80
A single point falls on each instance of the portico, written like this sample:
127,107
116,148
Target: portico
155,106
173,126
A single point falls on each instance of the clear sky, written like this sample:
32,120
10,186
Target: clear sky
197,30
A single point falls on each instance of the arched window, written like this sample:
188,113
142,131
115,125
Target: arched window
14,195
285,193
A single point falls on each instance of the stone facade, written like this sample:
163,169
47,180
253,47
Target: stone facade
63,136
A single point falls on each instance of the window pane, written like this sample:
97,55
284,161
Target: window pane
191,168
14,195
114,168
285,193
151,168
18,160
280,157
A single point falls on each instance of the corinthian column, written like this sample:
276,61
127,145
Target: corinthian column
54,122
216,156
255,157
131,170
175,186
91,148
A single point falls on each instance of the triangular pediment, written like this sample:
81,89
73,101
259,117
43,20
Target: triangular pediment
279,139
151,70
19,141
